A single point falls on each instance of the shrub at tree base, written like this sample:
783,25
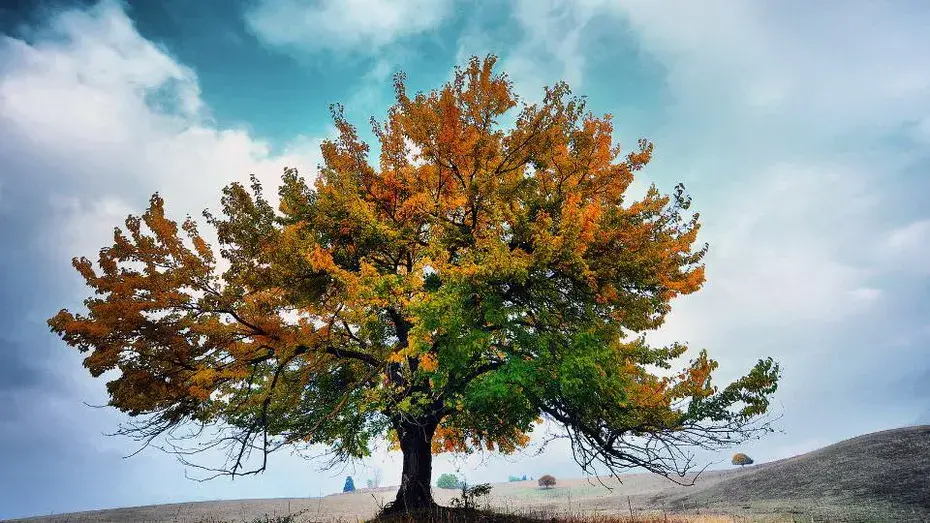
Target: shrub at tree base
547,481
448,295
469,497
459,515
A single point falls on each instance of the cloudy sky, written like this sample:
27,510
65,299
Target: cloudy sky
801,129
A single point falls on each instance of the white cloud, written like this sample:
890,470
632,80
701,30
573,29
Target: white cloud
83,106
915,235
553,32
76,91
921,130
94,118
363,25
779,261
761,102
907,248
865,294
745,68
833,66
777,249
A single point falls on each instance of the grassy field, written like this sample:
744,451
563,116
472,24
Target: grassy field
875,477
570,497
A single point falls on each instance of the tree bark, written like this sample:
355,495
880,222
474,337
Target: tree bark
416,446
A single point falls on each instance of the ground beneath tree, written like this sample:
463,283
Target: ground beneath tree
568,496
876,477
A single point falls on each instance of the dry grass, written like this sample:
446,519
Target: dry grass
447,515
875,477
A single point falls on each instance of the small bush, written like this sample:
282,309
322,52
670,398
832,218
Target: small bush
547,481
741,459
288,518
468,499
458,515
448,481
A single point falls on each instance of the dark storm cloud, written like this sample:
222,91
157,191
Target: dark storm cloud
34,440
16,371
27,287
82,145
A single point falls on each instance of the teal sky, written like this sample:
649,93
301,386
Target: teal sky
802,131
279,90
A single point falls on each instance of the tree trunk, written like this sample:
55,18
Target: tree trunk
416,445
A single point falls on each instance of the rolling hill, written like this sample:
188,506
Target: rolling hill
883,476
884,472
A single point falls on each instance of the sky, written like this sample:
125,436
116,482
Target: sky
800,129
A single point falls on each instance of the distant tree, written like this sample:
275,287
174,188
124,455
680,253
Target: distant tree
375,480
547,481
448,481
349,486
524,478
513,478
449,294
741,459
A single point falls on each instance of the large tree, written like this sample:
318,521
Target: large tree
474,282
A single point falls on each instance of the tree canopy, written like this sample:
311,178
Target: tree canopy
448,481
546,481
742,459
472,282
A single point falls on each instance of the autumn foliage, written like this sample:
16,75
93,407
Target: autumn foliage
741,459
470,283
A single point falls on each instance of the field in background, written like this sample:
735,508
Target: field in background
577,497
571,496
875,477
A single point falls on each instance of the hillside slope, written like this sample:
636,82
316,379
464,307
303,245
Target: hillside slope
887,470
883,476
